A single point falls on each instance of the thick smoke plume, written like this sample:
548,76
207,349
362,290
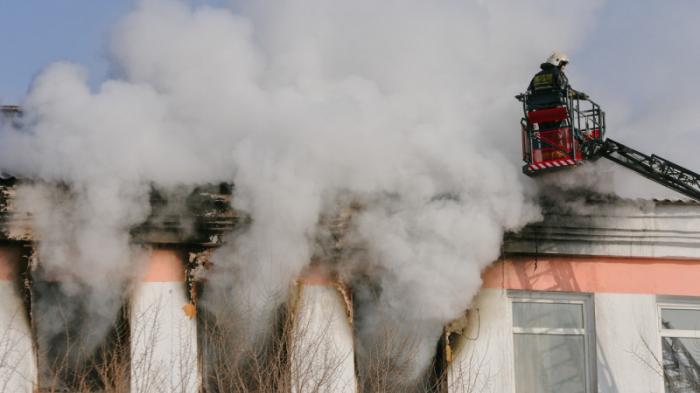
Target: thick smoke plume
406,107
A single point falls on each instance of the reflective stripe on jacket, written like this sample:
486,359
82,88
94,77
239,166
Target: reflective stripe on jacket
550,78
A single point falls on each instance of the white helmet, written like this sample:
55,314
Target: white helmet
558,58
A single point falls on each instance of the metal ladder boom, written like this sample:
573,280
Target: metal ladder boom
654,168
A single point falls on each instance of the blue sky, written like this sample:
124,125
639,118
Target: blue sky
36,33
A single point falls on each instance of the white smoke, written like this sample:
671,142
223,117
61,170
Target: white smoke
405,104
640,63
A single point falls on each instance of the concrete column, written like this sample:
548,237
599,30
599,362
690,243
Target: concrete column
163,330
322,355
18,371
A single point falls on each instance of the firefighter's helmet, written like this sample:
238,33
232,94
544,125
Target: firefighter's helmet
558,58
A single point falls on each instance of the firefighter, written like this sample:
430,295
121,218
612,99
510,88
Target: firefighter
550,86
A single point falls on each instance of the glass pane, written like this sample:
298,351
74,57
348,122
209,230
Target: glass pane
546,363
680,319
681,369
547,315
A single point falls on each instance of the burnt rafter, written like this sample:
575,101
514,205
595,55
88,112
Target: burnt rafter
201,216
197,215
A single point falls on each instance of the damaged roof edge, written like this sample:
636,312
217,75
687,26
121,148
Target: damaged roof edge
202,217
611,226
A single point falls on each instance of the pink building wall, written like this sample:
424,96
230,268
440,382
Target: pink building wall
657,276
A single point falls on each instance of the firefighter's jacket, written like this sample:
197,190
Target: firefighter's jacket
550,87
550,79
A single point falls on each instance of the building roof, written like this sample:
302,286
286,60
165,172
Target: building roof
592,224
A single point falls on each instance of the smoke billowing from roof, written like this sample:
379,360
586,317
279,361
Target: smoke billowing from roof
406,107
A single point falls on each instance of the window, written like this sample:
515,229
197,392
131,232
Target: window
679,323
553,342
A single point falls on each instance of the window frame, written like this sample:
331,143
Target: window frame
673,303
588,332
676,303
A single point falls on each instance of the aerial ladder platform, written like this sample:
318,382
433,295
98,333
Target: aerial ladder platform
564,131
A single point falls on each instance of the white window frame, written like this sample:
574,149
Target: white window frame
588,330
677,303
673,303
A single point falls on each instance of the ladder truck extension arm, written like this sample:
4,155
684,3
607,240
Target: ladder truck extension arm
654,168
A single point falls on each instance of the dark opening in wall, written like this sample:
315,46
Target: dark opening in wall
78,350
235,359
